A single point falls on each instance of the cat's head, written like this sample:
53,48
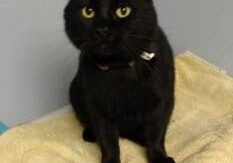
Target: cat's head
110,27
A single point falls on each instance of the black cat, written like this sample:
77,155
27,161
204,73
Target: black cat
124,86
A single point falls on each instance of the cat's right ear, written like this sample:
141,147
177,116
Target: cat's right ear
151,1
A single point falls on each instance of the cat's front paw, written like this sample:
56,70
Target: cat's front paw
89,136
170,160
164,160
111,160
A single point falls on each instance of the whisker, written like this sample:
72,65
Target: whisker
139,37
135,48
126,49
131,49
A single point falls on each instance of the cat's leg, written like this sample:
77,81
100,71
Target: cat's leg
155,130
107,136
155,149
89,134
78,102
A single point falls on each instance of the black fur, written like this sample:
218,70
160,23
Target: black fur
131,102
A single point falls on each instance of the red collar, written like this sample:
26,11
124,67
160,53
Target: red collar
145,55
106,67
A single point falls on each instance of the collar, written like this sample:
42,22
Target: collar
105,67
145,55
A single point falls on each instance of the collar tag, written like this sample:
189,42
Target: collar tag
147,56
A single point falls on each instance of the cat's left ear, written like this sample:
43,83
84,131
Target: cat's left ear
149,1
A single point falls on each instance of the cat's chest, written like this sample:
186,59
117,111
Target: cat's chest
121,88
117,83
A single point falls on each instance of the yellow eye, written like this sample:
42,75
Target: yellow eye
88,13
123,12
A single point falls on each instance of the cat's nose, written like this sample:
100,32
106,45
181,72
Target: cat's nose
102,32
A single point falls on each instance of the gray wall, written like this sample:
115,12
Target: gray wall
203,26
37,62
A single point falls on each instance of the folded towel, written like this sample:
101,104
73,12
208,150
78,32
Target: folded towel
201,128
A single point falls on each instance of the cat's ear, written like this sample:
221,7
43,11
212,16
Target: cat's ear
152,1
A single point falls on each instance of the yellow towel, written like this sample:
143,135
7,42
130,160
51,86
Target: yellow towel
201,128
